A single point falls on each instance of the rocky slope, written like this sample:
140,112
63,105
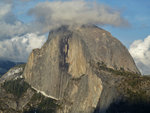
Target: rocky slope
122,93
78,70
13,73
62,68
17,96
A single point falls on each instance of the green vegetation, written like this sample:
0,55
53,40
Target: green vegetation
135,82
122,72
37,96
44,104
136,100
136,92
38,102
16,87
47,105
137,97
133,85
135,89
125,107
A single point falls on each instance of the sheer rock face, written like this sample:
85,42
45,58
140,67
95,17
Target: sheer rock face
62,67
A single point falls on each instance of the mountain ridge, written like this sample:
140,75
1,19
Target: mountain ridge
85,69
67,56
5,65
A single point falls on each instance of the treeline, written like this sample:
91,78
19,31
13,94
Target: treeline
16,87
121,71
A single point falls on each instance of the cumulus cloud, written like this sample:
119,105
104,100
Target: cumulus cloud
12,1
9,30
18,48
17,39
10,26
49,15
6,14
140,51
7,1
4,9
26,0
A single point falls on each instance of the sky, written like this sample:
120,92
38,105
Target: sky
24,24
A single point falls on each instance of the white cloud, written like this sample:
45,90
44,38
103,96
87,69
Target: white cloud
12,1
10,26
140,51
4,9
49,15
17,39
10,30
18,48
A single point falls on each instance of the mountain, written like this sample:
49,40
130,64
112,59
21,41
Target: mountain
80,69
71,53
5,65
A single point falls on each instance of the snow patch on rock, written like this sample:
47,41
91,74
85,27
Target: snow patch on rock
43,93
12,74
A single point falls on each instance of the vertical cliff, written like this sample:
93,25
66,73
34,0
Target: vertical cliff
63,67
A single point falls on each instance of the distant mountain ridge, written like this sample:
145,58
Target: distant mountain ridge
5,65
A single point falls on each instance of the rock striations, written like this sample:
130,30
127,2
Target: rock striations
78,70
64,67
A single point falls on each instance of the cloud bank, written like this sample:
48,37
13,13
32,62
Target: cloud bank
12,1
18,48
10,26
140,51
17,39
49,15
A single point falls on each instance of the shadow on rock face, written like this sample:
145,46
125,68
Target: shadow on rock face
127,107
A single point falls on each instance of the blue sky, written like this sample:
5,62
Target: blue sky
137,12
24,25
